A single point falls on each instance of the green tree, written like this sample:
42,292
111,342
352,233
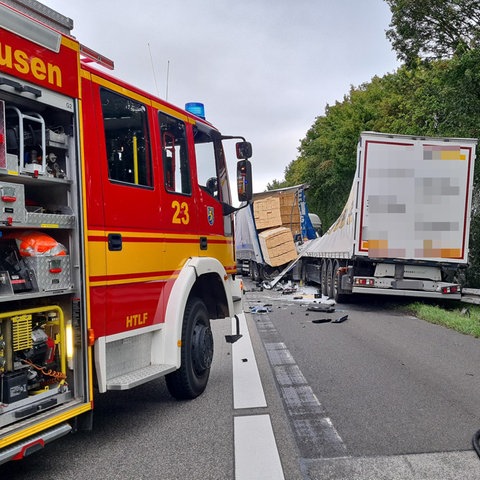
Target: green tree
276,184
327,154
436,93
439,98
433,28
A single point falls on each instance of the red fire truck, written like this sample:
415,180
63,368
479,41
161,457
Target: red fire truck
116,233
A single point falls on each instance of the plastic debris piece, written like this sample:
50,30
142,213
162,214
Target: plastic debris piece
318,307
340,320
260,309
321,320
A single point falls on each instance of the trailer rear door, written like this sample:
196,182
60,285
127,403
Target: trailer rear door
414,197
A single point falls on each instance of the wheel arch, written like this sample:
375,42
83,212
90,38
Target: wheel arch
206,279
209,288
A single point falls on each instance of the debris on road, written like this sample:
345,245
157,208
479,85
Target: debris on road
341,319
321,308
260,309
329,320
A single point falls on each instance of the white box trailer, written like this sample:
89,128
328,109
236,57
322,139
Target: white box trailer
405,227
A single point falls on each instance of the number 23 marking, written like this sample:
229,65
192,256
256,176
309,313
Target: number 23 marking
181,214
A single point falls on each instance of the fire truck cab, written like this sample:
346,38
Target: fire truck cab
116,233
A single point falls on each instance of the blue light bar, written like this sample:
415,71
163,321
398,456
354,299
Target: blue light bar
196,108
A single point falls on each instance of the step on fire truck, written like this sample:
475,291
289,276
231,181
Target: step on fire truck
116,233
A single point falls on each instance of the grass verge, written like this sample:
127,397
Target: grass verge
464,319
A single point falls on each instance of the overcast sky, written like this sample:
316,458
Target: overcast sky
264,69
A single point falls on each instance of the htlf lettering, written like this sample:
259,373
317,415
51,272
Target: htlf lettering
15,59
136,320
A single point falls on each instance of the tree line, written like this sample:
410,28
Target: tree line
436,92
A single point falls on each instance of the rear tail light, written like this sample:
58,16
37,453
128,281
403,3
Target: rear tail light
451,289
364,282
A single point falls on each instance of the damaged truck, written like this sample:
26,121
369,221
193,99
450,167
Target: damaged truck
269,231
405,227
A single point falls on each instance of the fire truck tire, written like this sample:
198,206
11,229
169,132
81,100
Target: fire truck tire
190,380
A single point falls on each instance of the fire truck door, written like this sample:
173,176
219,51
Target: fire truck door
179,195
133,235
214,192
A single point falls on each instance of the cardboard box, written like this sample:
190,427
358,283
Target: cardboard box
289,211
267,213
267,210
278,247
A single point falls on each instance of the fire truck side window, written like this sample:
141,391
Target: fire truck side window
206,166
211,169
174,155
127,139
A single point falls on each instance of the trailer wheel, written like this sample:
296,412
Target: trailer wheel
255,271
336,282
324,278
190,380
330,274
269,273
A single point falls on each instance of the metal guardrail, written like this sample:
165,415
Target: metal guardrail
471,295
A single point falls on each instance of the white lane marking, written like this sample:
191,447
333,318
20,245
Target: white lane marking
316,435
256,454
247,386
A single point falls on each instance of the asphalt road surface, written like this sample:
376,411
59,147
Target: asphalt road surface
380,395
237,429
399,394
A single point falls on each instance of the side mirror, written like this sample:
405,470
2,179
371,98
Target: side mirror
244,150
244,180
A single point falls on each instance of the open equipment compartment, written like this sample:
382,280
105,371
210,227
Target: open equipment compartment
39,256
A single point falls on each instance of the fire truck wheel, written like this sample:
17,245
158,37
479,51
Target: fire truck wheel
190,380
